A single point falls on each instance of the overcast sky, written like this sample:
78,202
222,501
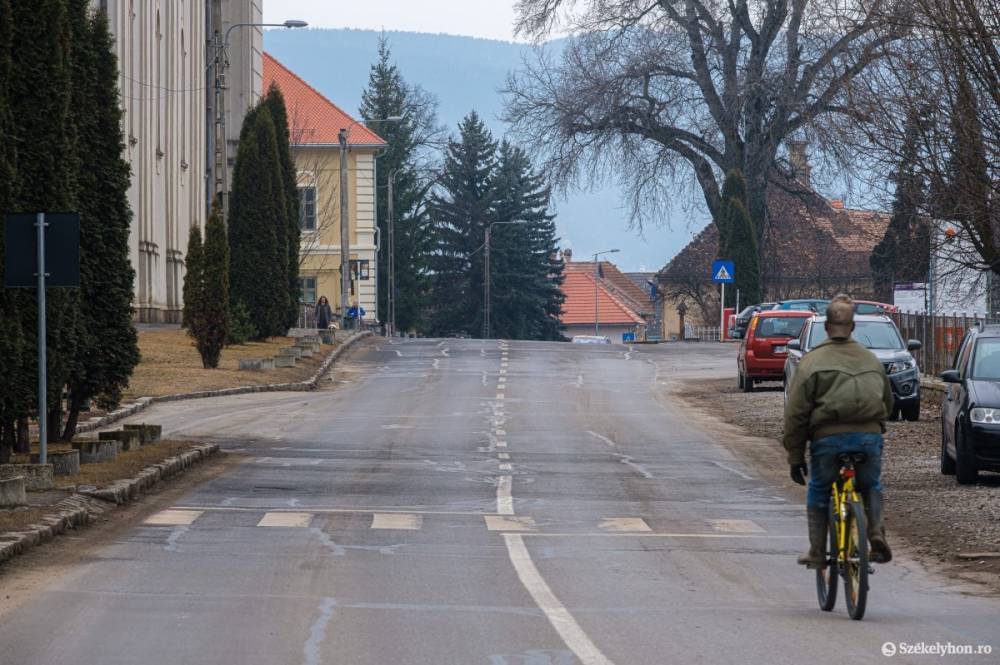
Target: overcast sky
492,19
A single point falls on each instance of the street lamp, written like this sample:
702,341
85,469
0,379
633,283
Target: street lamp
486,276
597,276
217,131
391,241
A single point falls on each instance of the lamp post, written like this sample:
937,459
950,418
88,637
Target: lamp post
486,277
597,276
391,242
217,130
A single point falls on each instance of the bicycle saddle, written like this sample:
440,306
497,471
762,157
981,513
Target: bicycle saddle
852,458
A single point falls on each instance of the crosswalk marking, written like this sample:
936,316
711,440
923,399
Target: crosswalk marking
173,517
509,523
402,521
286,520
736,526
624,524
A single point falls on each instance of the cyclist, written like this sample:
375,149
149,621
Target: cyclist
838,401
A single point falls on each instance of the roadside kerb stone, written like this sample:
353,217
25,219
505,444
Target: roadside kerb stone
284,361
314,347
123,491
12,492
37,477
256,364
142,403
64,462
128,438
92,452
292,351
147,433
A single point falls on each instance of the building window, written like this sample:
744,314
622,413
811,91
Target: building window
307,208
307,289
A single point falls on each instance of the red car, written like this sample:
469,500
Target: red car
763,349
872,307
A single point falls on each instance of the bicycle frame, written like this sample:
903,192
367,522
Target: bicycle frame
843,494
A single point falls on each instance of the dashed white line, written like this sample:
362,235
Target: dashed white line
505,467
503,455
732,470
505,502
602,438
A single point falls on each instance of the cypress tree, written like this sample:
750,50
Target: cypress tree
460,216
194,275
209,317
108,349
258,257
526,275
40,92
738,240
275,103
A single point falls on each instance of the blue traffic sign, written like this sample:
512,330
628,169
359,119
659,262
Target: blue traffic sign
723,271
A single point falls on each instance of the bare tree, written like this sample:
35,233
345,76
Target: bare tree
651,92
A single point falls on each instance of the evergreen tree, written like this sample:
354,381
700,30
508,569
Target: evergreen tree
460,216
258,238
108,346
210,316
525,271
40,92
389,96
738,240
194,275
275,103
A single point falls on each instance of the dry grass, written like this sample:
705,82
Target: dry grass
170,365
126,465
19,518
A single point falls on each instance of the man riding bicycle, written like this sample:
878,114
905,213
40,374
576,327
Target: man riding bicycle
838,401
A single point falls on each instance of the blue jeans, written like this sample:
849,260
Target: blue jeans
823,466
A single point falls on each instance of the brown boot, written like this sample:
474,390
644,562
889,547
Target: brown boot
880,552
819,527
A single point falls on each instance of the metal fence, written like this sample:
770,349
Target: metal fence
702,333
940,336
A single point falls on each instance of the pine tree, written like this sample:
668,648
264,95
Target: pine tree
258,250
460,217
210,326
525,273
738,240
194,275
275,103
108,349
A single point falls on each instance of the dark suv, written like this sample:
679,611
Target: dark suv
970,409
881,336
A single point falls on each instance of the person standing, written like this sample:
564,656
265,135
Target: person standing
838,402
324,315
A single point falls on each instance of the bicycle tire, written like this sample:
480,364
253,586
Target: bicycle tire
826,578
856,562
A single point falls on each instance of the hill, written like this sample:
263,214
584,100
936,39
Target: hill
466,73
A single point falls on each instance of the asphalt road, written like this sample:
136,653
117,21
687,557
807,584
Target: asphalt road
464,501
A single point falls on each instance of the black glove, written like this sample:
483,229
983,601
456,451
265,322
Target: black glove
798,472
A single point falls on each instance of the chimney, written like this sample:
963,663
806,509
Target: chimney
567,255
799,161
837,204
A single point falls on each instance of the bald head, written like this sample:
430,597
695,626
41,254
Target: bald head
840,317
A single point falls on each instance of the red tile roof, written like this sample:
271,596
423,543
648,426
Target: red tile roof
618,283
313,120
578,287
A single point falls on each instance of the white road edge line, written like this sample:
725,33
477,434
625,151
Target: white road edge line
732,470
557,614
601,437
505,502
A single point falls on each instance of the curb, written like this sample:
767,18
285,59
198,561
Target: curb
143,403
77,509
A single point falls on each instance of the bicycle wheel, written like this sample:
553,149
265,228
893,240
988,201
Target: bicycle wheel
856,562
826,578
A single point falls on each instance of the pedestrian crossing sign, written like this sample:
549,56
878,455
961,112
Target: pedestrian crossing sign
723,271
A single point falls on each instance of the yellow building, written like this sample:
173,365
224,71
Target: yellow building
314,124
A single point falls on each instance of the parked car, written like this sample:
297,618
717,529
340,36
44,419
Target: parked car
970,409
742,321
806,305
879,334
591,339
764,349
873,307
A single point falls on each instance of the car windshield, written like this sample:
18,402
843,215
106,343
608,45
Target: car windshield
873,334
806,306
868,308
780,326
986,361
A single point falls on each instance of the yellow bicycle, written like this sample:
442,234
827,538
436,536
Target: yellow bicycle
847,553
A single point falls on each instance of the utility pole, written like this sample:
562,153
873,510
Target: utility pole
597,277
345,231
391,290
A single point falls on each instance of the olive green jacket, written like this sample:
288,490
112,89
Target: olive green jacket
838,387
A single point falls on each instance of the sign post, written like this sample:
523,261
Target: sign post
723,272
28,251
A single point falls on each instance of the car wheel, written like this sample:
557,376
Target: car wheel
739,380
966,471
947,463
911,411
747,384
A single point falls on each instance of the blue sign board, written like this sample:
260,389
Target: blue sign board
723,271
628,337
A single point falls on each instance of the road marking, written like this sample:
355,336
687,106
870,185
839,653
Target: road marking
501,444
736,526
286,520
503,372
171,517
499,396
557,614
402,521
509,523
501,432
503,455
579,380
624,524
732,470
505,502
602,438
317,633
502,379
505,467
399,353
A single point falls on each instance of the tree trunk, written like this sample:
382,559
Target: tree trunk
6,440
23,443
72,418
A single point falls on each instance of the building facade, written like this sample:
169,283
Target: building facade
314,123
